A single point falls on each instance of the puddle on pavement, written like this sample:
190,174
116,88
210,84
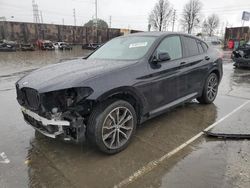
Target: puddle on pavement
235,82
235,126
12,62
206,163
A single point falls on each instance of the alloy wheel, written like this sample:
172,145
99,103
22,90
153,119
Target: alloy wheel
212,87
117,127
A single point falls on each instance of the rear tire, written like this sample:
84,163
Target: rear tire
210,89
111,126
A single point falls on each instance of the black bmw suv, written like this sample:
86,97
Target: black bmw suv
127,81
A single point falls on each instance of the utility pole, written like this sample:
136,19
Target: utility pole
96,21
149,27
41,15
96,10
35,12
110,20
63,21
74,15
174,16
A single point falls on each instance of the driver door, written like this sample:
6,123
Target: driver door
164,77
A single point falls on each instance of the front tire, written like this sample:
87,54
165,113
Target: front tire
111,126
210,89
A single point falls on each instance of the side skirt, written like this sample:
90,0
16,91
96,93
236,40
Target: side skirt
168,106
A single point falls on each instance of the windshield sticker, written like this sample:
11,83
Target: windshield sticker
139,44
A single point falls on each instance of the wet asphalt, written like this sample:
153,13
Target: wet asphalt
28,159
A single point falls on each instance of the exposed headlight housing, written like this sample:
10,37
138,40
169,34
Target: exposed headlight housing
75,95
62,99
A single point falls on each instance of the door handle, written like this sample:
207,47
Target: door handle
182,63
207,58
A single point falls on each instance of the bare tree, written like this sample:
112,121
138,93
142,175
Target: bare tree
210,24
191,15
160,16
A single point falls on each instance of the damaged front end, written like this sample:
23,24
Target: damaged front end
62,113
241,56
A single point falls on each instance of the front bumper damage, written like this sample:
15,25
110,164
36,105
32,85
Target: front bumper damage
73,130
241,59
242,62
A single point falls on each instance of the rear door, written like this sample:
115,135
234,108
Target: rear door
193,67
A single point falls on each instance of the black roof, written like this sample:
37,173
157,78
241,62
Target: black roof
162,33
157,33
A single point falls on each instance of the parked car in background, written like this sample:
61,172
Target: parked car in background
7,46
56,45
125,82
213,41
65,46
62,46
27,47
45,45
91,46
241,56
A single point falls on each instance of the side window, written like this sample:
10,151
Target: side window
201,50
171,45
190,46
204,46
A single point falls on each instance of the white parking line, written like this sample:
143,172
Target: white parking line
151,165
5,158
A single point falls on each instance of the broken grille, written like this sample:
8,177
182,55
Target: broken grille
32,99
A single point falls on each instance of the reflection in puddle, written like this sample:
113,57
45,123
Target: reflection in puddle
11,62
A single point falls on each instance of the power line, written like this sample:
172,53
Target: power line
24,9
219,10
239,7
135,19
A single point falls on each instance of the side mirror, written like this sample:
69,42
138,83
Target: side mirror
161,56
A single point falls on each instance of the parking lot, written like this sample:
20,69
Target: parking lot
167,151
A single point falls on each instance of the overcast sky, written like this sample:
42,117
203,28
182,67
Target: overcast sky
132,14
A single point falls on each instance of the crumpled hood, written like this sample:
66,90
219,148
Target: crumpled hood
69,74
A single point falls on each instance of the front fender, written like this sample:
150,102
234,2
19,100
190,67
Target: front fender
124,90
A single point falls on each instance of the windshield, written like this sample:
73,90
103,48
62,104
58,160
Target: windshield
124,48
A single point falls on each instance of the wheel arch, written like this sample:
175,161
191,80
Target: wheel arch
128,94
216,71
212,70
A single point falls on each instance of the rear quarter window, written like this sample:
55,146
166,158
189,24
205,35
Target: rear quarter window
201,50
204,46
